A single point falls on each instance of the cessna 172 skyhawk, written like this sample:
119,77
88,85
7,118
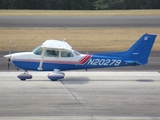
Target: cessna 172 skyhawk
57,56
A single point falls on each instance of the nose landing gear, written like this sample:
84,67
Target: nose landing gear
24,76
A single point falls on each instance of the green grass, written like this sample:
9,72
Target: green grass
79,12
97,39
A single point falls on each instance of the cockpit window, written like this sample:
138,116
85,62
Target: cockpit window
52,53
38,50
66,54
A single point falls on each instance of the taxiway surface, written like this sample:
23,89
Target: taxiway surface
81,95
79,21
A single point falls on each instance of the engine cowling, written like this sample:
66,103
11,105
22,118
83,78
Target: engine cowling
54,76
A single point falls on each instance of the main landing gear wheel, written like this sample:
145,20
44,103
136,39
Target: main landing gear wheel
23,79
54,76
24,76
54,79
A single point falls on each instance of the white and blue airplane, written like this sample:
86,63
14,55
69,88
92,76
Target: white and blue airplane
58,56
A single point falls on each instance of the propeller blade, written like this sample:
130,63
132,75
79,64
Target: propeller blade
9,61
10,52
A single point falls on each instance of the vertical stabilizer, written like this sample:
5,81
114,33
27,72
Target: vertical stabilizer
140,51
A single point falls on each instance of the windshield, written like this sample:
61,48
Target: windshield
77,53
38,50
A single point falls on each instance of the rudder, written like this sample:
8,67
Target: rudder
140,51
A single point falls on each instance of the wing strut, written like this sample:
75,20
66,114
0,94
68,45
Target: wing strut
42,57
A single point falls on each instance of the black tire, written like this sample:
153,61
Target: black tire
23,79
54,79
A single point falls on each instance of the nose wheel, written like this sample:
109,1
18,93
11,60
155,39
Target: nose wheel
24,76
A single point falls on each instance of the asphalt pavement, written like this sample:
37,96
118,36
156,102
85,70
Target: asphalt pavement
79,21
81,95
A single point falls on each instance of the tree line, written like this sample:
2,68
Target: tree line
80,4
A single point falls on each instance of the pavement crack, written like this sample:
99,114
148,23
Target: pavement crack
70,92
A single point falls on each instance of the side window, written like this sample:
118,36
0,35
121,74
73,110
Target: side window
66,54
52,53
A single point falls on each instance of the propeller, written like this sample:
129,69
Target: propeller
9,59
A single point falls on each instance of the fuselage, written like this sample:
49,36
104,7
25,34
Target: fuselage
31,61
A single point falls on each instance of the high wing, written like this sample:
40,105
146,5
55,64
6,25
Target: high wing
56,44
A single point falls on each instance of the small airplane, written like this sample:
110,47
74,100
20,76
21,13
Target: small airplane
58,56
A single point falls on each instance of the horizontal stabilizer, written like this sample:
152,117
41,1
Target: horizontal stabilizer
132,62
